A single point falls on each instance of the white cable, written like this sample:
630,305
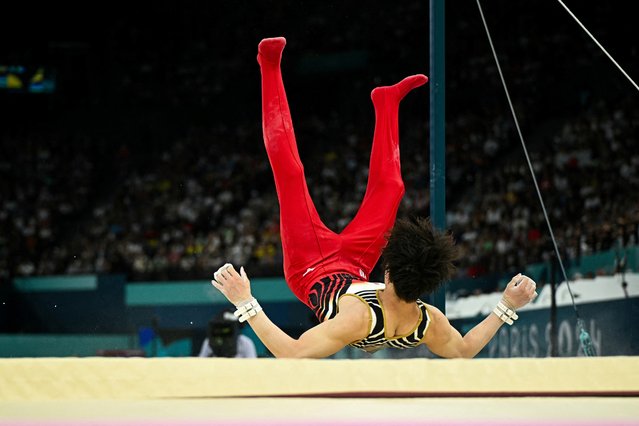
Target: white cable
532,170
584,337
599,44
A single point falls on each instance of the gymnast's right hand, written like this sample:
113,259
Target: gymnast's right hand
235,286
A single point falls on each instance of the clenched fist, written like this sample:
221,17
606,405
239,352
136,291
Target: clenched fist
520,291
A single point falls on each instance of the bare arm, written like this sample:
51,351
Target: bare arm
444,340
320,341
349,325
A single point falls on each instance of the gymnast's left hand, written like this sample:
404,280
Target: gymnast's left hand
235,286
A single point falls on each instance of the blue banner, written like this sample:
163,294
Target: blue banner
612,326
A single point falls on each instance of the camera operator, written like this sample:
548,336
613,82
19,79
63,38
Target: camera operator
224,339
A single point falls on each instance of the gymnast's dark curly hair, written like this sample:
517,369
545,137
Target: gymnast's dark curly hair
418,258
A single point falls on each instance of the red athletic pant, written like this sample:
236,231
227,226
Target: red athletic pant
310,249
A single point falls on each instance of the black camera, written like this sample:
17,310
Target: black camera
222,334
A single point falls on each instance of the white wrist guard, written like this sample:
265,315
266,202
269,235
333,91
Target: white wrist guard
247,310
504,313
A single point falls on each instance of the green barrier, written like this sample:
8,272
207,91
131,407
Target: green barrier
56,283
58,345
156,348
201,293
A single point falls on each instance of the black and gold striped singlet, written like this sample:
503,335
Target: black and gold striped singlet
324,298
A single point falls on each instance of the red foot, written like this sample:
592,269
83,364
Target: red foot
270,49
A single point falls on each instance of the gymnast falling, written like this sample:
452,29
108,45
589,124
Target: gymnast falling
329,271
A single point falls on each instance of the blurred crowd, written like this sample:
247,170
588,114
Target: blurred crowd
198,206
73,202
588,175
